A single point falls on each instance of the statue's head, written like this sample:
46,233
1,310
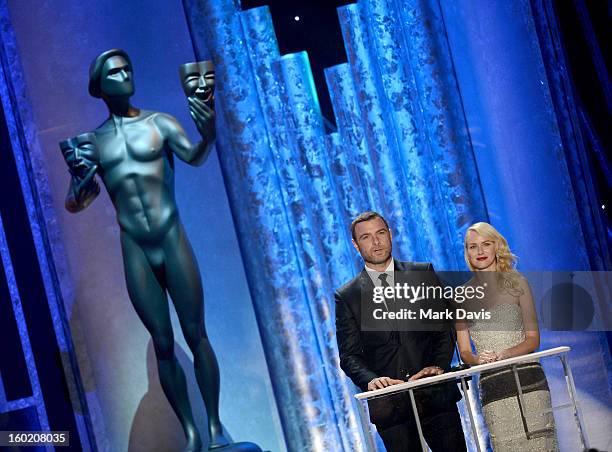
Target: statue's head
110,74
198,79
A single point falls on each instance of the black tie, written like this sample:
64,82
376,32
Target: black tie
384,283
383,280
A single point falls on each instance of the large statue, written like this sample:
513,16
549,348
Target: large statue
133,153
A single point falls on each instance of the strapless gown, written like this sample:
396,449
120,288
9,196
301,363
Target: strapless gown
508,429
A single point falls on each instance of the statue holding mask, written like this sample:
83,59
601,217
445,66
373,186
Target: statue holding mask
133,154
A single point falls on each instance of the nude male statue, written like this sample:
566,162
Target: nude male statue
133,153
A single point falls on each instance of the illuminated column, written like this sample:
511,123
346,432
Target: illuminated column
295,129
328,264
344,176
344,100
372,113
406,118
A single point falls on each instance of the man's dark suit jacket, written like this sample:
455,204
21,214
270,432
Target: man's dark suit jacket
365,355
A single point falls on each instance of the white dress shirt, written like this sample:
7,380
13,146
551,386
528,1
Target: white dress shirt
374,274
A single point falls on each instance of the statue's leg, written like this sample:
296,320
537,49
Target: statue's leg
146,289
185,287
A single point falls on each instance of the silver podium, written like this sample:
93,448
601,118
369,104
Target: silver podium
462,376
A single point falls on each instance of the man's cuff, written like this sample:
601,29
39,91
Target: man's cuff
367,377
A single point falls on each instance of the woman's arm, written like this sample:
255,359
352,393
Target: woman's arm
530,323
465,346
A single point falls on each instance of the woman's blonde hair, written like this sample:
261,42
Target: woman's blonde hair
507,276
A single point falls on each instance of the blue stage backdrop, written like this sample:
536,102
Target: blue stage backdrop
406,109
448,113
401,148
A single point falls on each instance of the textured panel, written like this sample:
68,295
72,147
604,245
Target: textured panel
304,124
371,108
344,100
320,238
344,178
399,86
294,123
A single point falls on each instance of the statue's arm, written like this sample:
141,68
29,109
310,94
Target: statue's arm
204,118
82,190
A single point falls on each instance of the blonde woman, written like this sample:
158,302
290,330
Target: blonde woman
511,331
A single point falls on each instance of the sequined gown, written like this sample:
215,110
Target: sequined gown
501,408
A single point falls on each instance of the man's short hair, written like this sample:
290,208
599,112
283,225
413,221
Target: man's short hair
366,216
95,69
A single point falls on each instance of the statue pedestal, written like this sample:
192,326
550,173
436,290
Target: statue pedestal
238,447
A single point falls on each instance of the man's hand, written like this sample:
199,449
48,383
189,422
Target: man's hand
204,118
427,372
382,382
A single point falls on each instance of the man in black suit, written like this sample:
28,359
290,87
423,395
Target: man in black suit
374,358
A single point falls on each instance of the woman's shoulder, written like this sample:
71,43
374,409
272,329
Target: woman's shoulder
522,283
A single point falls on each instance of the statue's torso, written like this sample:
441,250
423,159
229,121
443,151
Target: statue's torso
138,172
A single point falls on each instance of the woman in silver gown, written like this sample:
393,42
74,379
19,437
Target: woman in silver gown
511,331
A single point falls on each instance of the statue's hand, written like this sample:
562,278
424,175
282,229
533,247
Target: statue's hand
80,154
81,168
204,118
85,186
